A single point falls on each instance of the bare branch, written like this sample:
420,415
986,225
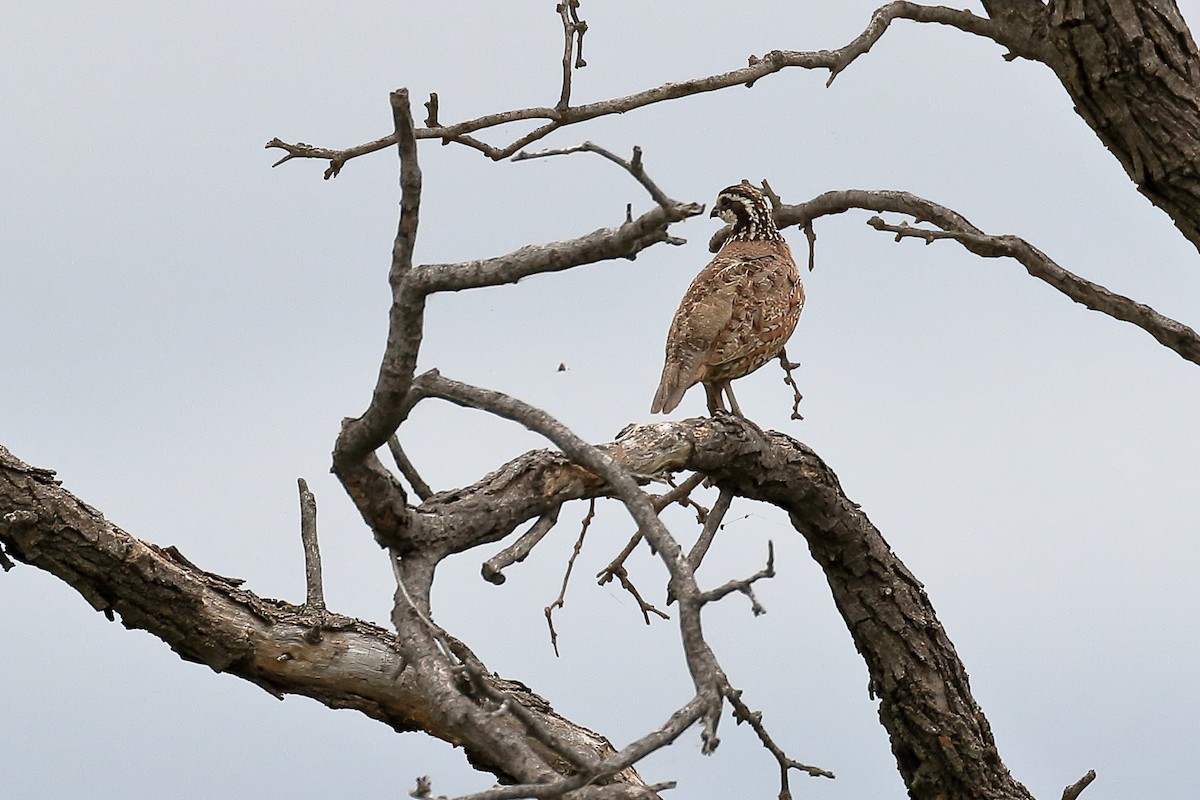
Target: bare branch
1004,35
560,601
483,683
405,465
742,713
337,158
520,549
1166,331
745,585
625,241
1075,789
644,606
712,524
922,686
678,722
1014,38
677,495
1170,333
790,380
633,166
363,435
573,30
314,591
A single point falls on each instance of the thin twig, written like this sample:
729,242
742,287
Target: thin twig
711,525
518,551
573,30
677,495
742,713
745,585
790,380
622,576
405,465
314,590
634,166
560,601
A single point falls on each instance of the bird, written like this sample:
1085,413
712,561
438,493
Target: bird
738,312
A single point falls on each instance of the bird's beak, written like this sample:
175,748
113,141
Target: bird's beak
713,214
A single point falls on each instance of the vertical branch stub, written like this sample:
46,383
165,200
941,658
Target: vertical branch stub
314,596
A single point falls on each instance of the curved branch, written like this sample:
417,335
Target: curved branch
1129,67
940,737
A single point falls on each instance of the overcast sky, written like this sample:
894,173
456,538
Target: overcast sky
184,327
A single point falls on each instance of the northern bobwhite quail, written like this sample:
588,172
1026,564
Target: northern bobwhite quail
739,311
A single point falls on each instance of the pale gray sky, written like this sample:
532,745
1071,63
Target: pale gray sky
183,328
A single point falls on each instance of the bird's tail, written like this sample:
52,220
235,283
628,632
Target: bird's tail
670,389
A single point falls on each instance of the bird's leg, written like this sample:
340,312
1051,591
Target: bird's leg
715,403
733,403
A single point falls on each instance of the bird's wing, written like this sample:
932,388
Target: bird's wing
704,312
758,311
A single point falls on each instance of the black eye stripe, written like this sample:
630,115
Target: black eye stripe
753,215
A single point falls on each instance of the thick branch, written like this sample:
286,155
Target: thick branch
1132,70
941,739
209,620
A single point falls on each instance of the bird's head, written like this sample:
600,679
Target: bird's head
744,207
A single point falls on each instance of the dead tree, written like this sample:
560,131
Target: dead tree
1133,72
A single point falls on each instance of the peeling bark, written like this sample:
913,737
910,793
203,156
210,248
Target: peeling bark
338,661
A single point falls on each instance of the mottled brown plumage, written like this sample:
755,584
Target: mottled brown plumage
739,311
